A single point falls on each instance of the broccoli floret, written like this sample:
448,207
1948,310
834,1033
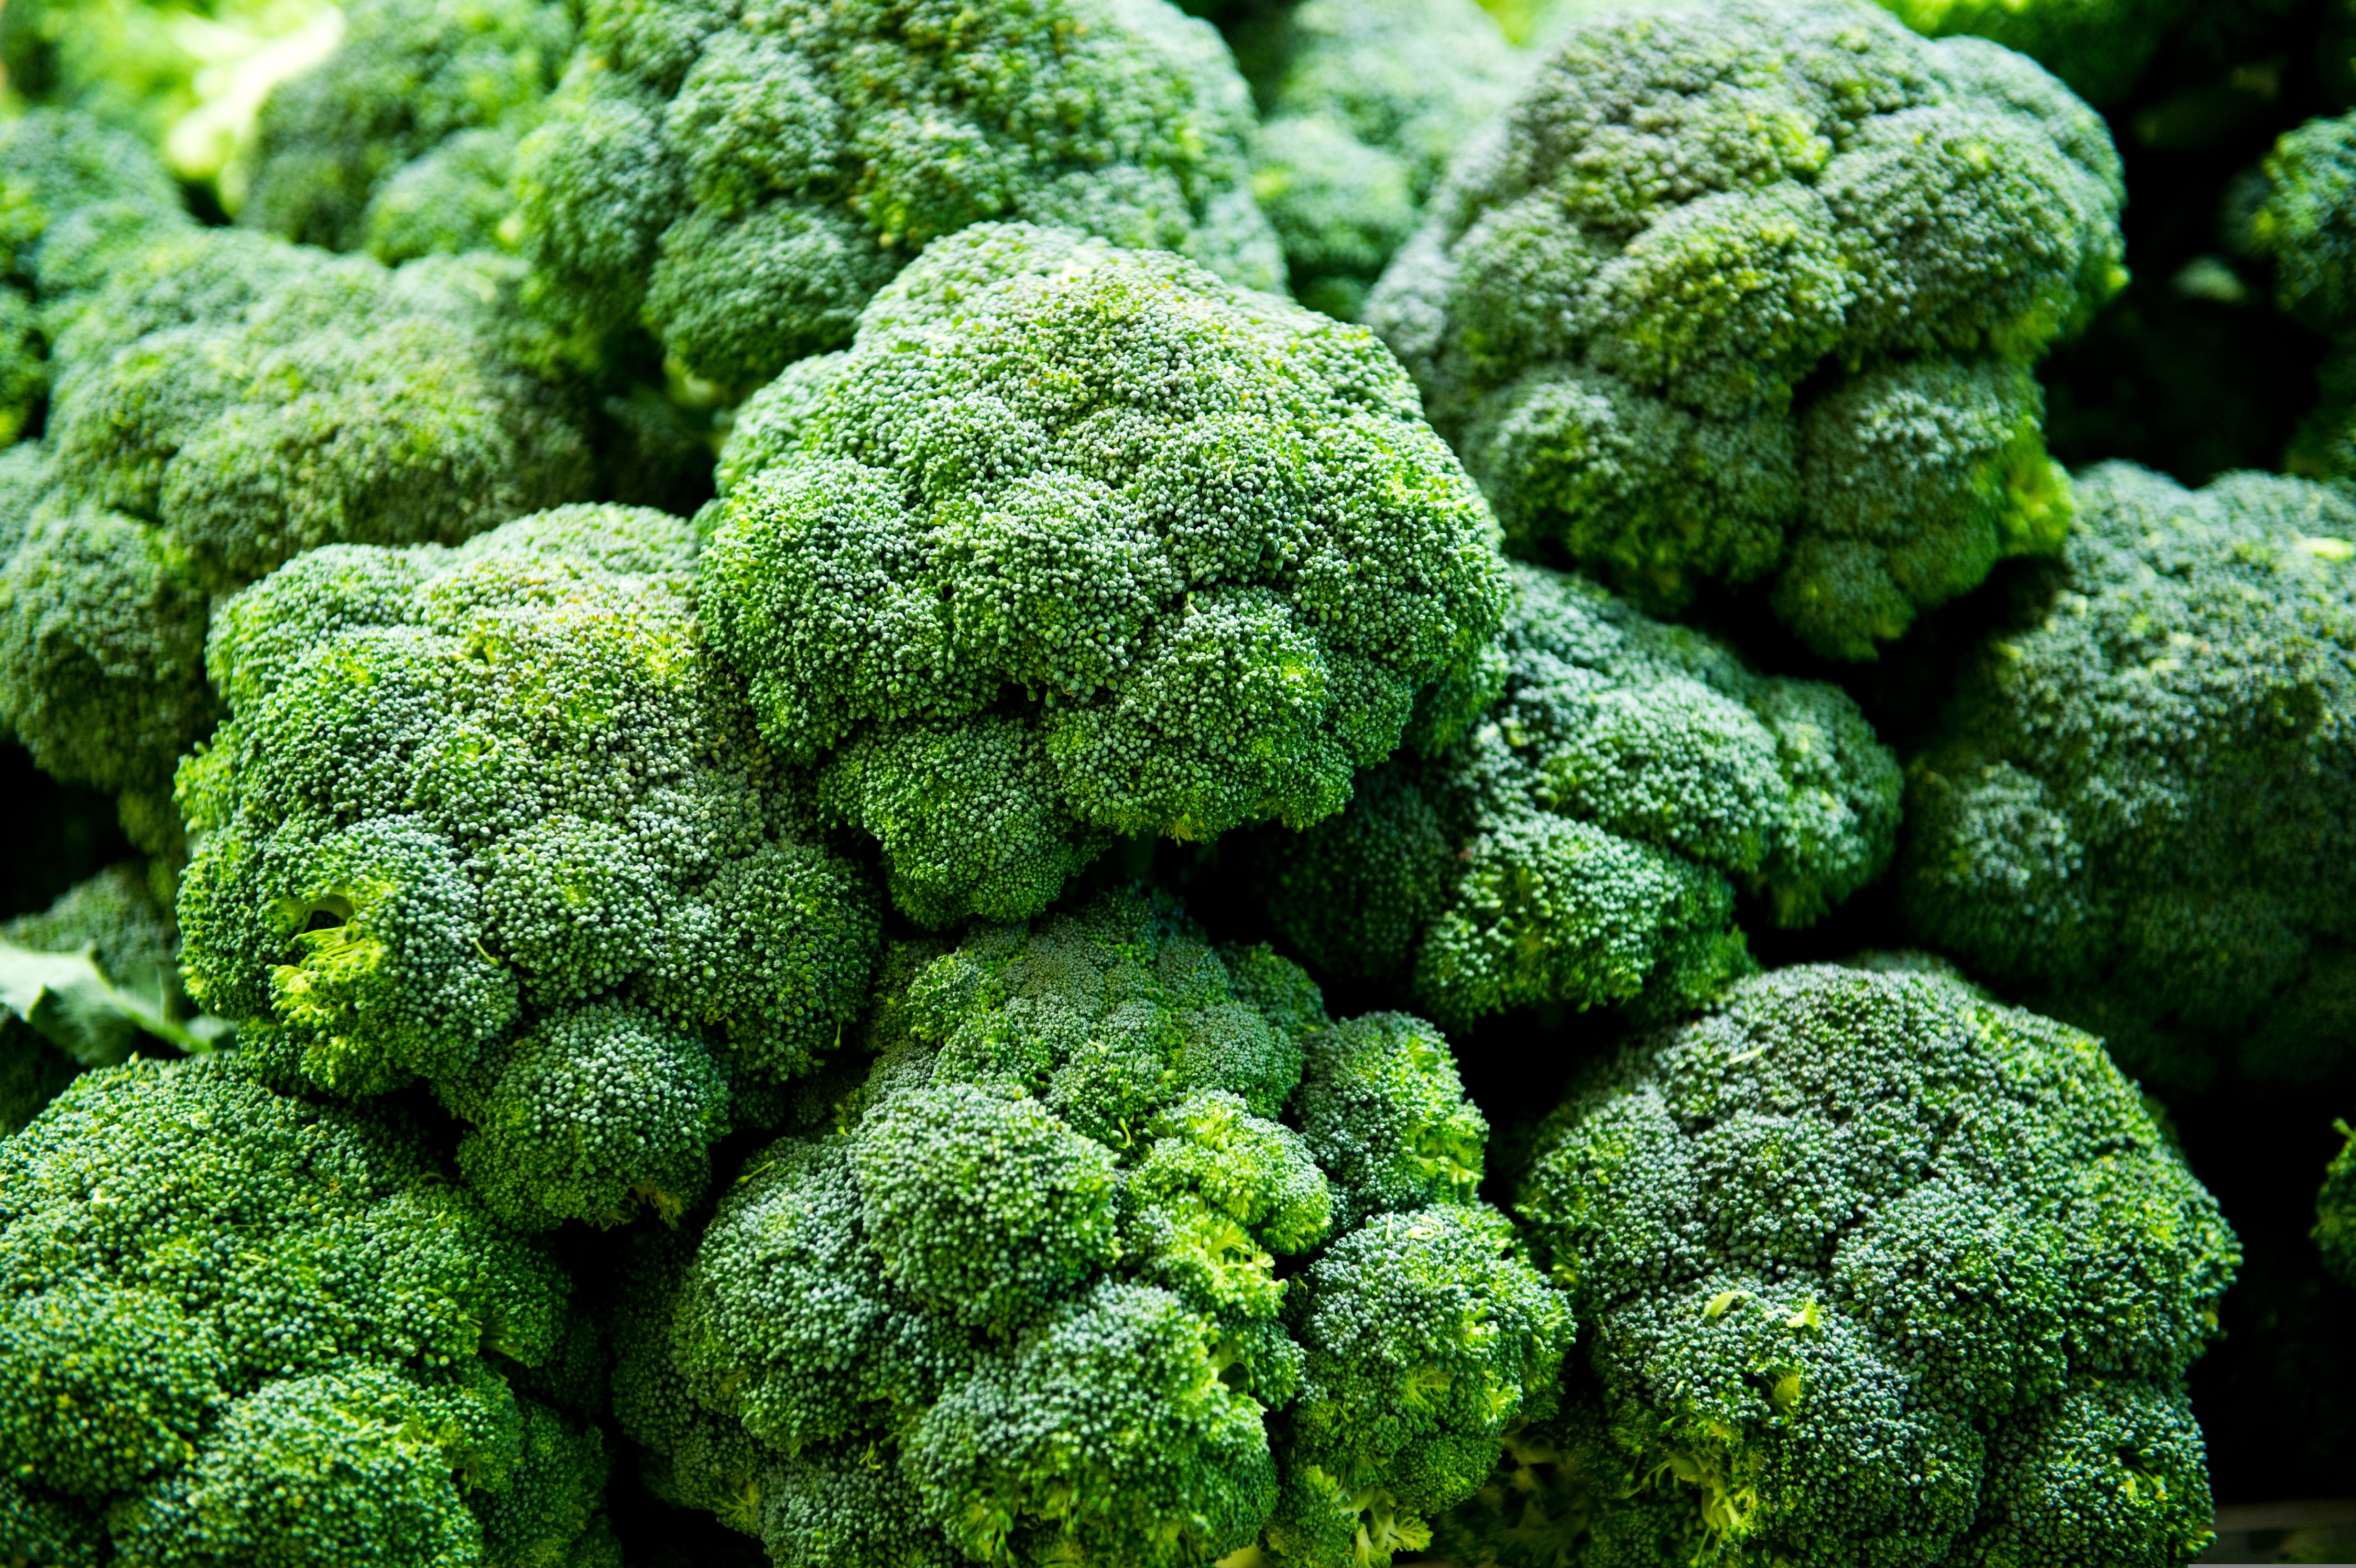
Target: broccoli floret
2139,817
400,142
181,76
2098,46
242,1329
1875,1270
1752,290
1025,1303
1362,105
2335,1210
1080,541
222,402
2293,209
491,817
744,182
1584,843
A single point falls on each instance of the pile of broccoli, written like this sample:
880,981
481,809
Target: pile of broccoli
1263,784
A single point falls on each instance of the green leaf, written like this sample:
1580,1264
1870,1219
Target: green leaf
66,999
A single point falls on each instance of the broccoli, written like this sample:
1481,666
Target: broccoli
2335,1210
242,1329
221,401
1024,1303
1362,105
399,142
182,75
2138,815
1584,843
491,817
2292,210
1872,1270
1754,290
2098,46
1077,542
744,179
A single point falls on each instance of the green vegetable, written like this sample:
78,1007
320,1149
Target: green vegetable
490,817
1751,290
1077,542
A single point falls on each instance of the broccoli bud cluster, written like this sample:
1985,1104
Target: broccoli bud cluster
1122,1254
488,816
1078,542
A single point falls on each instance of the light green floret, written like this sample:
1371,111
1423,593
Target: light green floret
1122,1254
400,142
1875,1271
1362,103
1584,842
1077,542
491,817
744,179
218,401
241,1328
2335,1210
2139,817
1751,292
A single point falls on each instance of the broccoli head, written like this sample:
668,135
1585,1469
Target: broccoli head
1362,105
2098,46
492,819
1875,1271
220,401
2139,815
1584,843
1753,290
2335,1211
1080,541
1026,1303
399,142
743,178
240,1328
2293,210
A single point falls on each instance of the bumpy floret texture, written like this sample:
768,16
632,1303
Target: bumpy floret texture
220,401
2098,46
400,142
1362,103
1584,842
2294,209
491,816
2139,816
743,177
1025,1303
1080,541
237,1327
1751,291
1877,1271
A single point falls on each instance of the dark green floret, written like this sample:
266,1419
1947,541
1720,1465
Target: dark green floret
491,817
242,1329
2139,817
1078,542
2098,46
1583,844
743,179
2335,1211
400,142
1122,1254
1873,1270
1751,290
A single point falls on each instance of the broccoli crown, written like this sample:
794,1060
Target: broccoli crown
236,1327
743,177
219,402
399,142
1875,1271
1752,289
491,817
2098,46
2335,1211
1026,1303
1583,842
2139,817
1080,541
2295,208
1362,103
